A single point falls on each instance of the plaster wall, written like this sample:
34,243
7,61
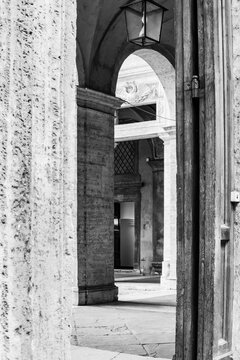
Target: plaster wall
146,250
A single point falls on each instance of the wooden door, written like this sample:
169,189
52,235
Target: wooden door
203,180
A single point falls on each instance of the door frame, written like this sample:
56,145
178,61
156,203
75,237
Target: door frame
204,149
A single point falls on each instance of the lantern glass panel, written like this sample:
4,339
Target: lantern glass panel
154,19
134,24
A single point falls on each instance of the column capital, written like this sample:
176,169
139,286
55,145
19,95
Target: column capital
170,133
98,101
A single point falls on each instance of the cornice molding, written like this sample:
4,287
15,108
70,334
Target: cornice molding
95,100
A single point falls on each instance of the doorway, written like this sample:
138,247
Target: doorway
145,158
145,167
124,235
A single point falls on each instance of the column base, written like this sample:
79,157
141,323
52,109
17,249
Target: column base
97,294
157,267
168,279
168,284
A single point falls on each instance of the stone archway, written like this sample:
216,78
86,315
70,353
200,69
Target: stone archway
154,75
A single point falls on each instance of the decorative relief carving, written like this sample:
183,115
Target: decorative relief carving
137,93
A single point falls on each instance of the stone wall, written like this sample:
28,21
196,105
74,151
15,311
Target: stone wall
37,177
95,187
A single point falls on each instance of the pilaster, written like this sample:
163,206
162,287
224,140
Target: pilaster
96,197
168,278
157,166
37,178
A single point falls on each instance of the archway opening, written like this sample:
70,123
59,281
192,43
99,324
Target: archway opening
145,192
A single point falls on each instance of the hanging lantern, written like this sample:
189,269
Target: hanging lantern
144,22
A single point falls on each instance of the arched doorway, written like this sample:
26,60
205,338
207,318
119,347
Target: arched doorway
146,120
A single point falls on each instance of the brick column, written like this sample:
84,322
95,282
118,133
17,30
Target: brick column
96,197
37,177
157,166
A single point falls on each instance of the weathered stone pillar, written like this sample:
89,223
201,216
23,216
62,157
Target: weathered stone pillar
168,279
37,177
96,197
157,166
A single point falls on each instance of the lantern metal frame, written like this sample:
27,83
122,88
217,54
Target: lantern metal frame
143,40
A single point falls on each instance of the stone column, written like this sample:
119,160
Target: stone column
168,279
96,197
157,166
37,177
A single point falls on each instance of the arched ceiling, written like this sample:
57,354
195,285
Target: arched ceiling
102,41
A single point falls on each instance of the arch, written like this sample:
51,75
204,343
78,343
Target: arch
160,49
165,72
114,43
162,67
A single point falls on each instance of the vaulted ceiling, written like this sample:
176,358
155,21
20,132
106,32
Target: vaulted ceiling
102,41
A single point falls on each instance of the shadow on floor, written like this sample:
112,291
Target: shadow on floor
159,301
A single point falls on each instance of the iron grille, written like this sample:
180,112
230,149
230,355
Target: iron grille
125,158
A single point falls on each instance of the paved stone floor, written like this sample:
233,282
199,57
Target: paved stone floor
84,353
142,323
